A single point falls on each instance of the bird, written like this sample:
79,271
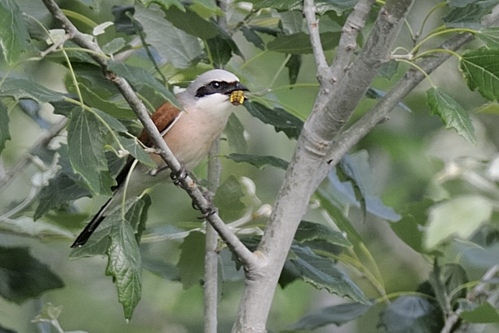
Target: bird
189,131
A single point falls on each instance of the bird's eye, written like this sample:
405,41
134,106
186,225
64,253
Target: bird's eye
216,84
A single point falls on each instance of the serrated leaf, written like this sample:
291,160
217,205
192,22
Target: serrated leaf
452,114
412,314
60,190
228,199
259,161
23,276
322,273
459,217
125,266
14,39
176,46
336,314
484,313
86,149
137,76
99,243
481,71
191,261
4,126
21,88
300,43
277,117
309,231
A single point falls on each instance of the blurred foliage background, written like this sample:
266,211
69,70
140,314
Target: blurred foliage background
411,158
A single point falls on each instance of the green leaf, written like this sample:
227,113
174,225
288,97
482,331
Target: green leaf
164,3
135,149
484,313
310,231
23,277
277,117
228,199
300,43
48,312
408,228
322,273
60,190
252,37
490,36
14,38
21,88
359,189
259,161
293,65
86,149
4,126
191,23
176,46
114,46
137,77
459,217
222,47
191,261
125,265
336,314
468,16
452,114
339,218
412,314
481,70
235,134
322,5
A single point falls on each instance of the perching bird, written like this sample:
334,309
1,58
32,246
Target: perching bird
189,132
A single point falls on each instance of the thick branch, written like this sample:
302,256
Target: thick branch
138,107
322,126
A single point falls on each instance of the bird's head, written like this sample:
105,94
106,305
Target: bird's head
215,91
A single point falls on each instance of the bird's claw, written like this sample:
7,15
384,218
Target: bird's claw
177,178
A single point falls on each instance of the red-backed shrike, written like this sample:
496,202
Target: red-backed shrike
189,132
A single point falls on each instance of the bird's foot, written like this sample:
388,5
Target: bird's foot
178,177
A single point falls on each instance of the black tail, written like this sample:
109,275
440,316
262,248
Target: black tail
91,226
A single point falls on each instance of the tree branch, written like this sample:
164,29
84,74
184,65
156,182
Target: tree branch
315,39
138,107
331,111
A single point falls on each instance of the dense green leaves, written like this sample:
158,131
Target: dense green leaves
23,276
21,88
452,114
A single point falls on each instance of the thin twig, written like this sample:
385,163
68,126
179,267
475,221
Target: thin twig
315,39
245,255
